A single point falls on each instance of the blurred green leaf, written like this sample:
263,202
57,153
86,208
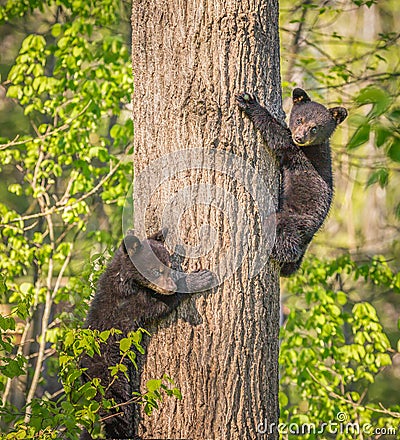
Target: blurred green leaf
380,176
382,135
394,150
378,97
360,136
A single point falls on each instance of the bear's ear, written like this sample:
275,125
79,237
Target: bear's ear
160,235
300,96
339,114
131,244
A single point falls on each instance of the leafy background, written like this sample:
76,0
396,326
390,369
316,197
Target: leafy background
65,168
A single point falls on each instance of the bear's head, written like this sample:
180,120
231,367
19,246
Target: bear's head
310,122
148,262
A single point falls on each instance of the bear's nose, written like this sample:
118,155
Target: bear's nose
298,138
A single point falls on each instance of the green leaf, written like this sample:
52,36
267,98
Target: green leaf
153,384
397,211
283,399
104,335
360,136
71,378
56,30
394,150
383,359
13,368
15,188
341,298
7,323
90,393
33,42
26,288
382,134
115,130
379,176
14,92
177,393
395,114
379,98
125,344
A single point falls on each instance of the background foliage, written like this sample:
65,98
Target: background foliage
65,130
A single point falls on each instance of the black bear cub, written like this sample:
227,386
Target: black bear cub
137,287
306,173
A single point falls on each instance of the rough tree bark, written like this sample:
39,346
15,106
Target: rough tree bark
190,58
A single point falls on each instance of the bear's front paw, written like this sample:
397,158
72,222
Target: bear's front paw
200,280
245,100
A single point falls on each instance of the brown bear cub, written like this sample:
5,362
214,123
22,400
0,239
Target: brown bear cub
136,288
306,172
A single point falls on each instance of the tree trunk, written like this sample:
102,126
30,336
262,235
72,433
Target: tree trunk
202,171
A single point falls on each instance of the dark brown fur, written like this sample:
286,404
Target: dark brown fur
305,158
130,295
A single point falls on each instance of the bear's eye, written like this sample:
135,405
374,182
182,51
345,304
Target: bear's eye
298,121
313,130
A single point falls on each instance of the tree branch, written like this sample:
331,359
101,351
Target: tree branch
56,209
